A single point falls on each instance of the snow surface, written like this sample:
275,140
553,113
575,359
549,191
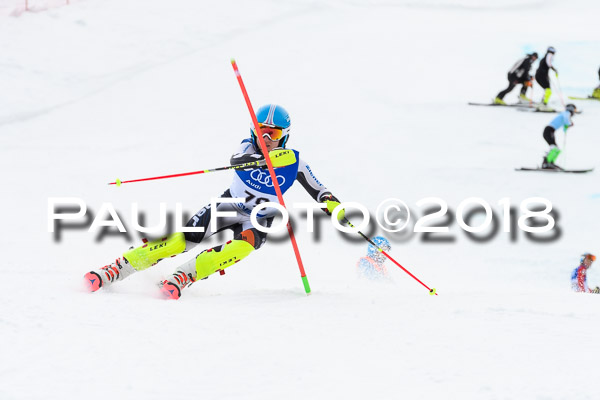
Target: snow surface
377,91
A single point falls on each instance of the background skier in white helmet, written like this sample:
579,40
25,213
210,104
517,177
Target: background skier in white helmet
252,184
518,74
541,75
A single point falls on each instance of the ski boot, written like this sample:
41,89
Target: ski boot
499,101
107,275
596,93
544,107
549,165
171,288
524,99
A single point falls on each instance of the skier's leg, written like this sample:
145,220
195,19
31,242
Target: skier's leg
150,253
554,151
511,85
549,136
246,239
544,82
525,82
136,259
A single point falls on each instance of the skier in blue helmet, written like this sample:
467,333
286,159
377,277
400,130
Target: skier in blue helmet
253,186
563,120
276,120
372,266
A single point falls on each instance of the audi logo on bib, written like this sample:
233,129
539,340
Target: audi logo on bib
265,179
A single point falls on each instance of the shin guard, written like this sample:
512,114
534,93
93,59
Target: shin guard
220,257
150,253
553,154
547,94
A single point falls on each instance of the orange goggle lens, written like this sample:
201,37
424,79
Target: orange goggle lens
273,133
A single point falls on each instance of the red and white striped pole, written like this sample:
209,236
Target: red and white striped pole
263,147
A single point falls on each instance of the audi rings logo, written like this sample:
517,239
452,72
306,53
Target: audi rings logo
265,179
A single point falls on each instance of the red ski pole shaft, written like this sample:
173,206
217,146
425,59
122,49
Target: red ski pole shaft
431,290
250,164
263,148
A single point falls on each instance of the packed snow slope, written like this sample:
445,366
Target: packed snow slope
377,92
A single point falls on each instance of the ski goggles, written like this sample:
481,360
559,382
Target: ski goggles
273,133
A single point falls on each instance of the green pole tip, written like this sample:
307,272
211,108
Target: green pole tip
306,285
118,182
432,291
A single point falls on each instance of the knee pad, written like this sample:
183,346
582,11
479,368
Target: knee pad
253,236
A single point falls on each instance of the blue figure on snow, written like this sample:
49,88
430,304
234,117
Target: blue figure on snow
579,275
372,266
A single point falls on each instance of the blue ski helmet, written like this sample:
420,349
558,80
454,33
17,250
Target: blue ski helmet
551,50
273,116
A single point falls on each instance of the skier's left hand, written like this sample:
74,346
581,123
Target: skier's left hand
332,202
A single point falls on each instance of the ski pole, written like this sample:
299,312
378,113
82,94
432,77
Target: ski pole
531,85
560,96
432,291
240,166
263,147
565,149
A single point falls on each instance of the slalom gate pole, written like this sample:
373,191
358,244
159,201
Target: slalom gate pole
240,166
432,291
263,148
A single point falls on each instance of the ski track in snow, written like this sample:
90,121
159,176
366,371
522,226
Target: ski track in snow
377,93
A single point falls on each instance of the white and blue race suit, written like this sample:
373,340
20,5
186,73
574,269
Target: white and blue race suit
255,186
